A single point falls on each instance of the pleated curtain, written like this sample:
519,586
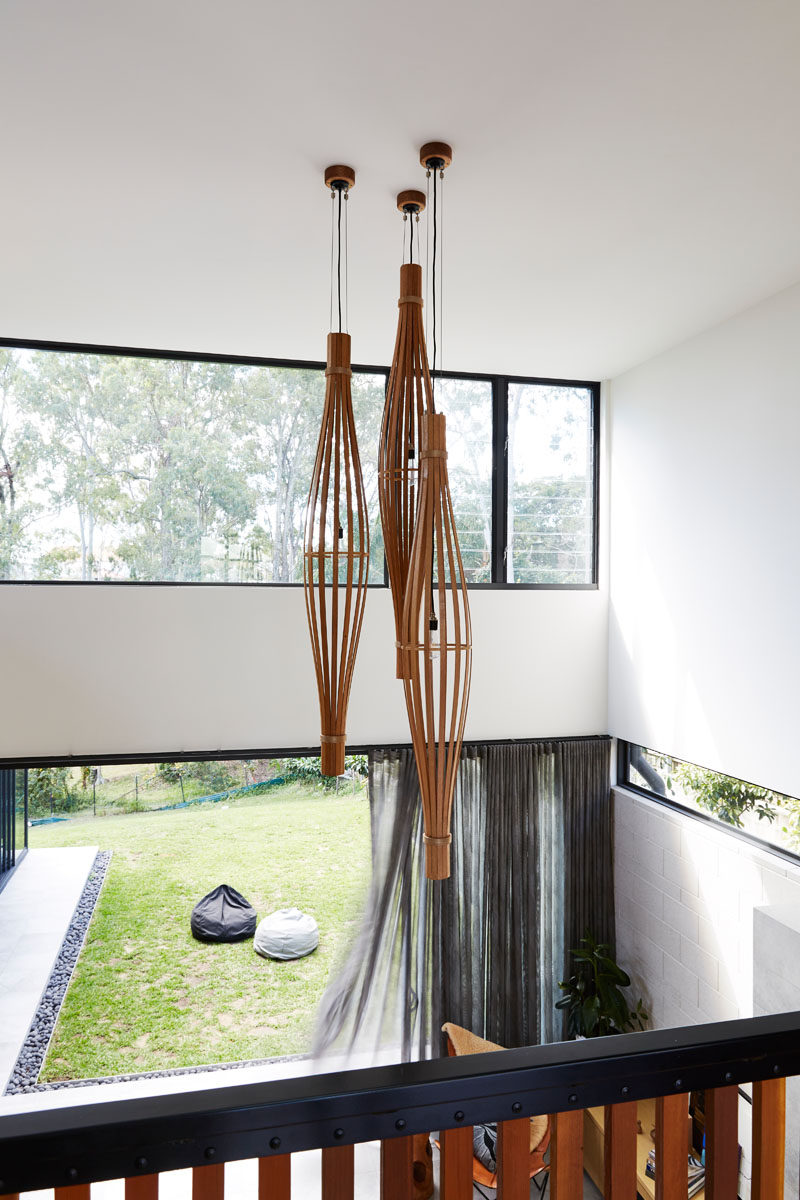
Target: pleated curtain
532,869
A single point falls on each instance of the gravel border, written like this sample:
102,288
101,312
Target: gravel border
24,1077
34,1048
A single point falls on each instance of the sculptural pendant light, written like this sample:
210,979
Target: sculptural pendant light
436,646
435,633
409,396
336,559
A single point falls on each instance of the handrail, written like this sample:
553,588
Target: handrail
119,1138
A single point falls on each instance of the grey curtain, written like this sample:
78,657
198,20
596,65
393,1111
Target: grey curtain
532,868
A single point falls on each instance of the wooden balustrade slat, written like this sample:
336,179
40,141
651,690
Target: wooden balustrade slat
619,1154
397,1168
566,1156
513,1159
275,1177
78,1191
672,1147
338,1172
455,1164
208,1183
722,1143
142,1187
769,1139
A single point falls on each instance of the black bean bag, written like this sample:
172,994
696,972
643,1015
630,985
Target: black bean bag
223,916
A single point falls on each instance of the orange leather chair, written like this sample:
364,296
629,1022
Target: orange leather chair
461,1041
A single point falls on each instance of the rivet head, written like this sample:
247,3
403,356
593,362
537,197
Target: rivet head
458,1116
338,1133
516,1107
626,1091
678,1083
274,1143
776,1070
728,1076
573,1099
141,1163
72,1172
211,1152
400,1123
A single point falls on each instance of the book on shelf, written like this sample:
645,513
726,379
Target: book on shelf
696,1171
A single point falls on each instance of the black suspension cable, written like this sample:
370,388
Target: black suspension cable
411,241
339,260
333,254
433,283
441,274
426,310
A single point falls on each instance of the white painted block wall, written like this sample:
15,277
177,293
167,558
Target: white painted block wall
686,895
776,987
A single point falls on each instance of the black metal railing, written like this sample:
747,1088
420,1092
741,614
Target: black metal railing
125,1138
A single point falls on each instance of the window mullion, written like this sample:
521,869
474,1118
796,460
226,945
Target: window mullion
499,478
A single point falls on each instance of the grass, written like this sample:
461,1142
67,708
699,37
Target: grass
145,995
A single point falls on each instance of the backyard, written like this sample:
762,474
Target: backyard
145,995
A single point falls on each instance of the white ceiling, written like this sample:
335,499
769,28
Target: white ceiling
626,172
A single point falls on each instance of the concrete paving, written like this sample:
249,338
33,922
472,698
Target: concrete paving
36,907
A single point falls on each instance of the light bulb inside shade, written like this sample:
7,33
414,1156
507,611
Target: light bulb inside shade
433,642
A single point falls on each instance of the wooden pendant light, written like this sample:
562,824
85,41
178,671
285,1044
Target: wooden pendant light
409,396
336,559
436,646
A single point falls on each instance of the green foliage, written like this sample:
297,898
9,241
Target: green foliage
307,770
212,776
593,998
727,798
50,792
170,772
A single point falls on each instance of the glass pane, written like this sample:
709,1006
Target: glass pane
21,838
772,816
151,469
467,405
369,395
550,484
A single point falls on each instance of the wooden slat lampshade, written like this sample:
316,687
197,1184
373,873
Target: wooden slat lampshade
336,554
409,396
336,558
436,646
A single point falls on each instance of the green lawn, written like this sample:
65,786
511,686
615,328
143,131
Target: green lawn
145,995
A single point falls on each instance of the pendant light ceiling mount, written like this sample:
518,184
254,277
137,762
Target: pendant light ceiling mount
435,156
339,178
411,202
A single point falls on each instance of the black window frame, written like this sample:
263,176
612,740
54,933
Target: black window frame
624,749
500,384
11,851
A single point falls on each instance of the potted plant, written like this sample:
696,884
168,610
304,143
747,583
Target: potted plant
593,996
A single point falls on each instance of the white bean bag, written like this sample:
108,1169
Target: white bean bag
286,934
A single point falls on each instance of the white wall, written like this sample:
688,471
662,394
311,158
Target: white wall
685,896
704,648
688,898
124,669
